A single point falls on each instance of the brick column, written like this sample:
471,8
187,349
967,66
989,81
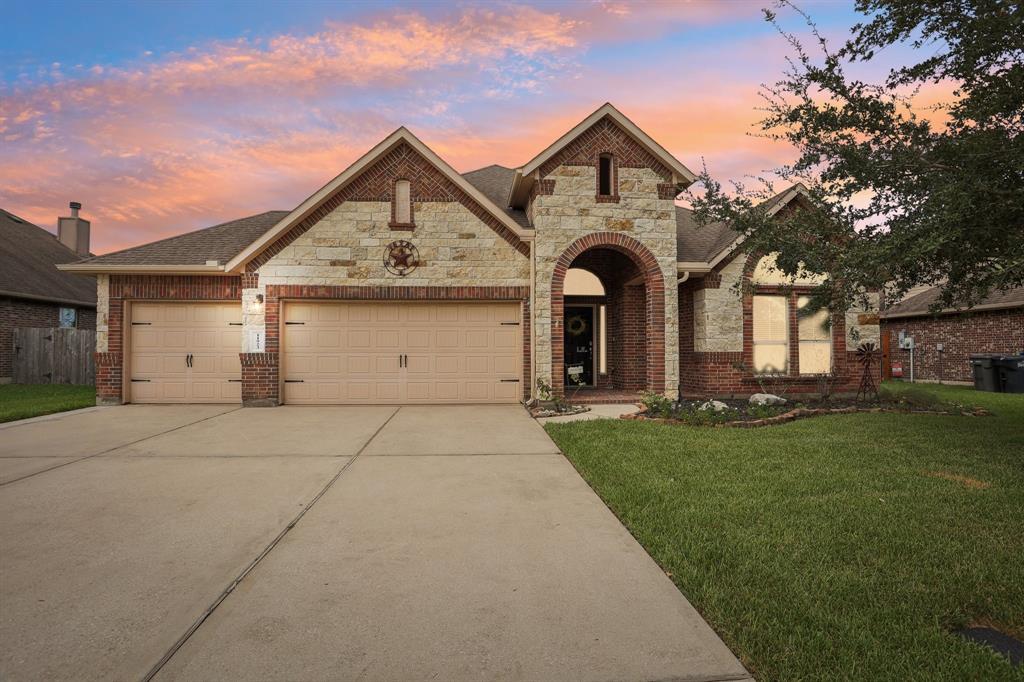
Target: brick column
109,377
260,379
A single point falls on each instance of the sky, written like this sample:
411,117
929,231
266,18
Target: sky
166,117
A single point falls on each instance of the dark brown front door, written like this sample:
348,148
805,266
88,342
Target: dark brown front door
579,346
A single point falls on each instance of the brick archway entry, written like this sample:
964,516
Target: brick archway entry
654,313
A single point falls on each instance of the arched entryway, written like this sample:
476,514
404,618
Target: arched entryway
634,305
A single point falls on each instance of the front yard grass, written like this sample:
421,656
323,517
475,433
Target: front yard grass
21,401
839,547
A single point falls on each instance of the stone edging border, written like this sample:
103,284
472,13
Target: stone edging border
803,412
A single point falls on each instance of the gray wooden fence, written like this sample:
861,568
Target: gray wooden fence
54,356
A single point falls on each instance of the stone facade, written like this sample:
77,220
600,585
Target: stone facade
718,311
570,212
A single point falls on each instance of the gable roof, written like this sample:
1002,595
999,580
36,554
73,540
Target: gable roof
494,182
700,248
700,243
187,252
919,305
524,175
29,256
400,136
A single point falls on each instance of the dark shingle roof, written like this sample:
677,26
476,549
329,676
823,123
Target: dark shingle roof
494,182
220,242
919,304
28,264
700,243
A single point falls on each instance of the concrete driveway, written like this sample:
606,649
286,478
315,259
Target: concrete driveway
304,543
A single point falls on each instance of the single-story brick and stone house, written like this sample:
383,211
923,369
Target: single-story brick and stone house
402,281
945,339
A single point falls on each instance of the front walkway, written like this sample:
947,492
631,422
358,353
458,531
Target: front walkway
324,543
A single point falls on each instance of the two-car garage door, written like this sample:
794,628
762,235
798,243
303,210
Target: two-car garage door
400,353
333,352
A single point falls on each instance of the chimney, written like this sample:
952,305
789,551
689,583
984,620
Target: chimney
73,232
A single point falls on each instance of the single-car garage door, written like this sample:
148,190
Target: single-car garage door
185,353
401,353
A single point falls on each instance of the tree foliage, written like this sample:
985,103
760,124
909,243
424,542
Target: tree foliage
897,196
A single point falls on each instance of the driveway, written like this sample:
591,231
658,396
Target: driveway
377,543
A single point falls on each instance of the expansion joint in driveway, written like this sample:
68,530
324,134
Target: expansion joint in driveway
259,557
118,447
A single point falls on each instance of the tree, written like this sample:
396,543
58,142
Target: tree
897,198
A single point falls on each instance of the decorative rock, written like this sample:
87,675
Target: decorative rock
766,399
716,405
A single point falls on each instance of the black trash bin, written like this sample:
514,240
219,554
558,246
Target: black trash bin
1011,373
986,372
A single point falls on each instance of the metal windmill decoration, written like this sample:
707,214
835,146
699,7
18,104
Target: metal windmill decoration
866,358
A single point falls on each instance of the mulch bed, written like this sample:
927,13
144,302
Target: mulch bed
803,412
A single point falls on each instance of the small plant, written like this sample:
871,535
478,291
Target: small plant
657,405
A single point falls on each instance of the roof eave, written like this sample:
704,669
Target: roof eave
889,315
48,299
122,269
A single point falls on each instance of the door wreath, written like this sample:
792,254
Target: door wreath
576,325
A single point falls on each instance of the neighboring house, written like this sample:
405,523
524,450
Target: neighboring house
402,281
33,292
944,341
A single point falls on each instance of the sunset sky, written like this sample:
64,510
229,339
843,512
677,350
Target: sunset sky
163,118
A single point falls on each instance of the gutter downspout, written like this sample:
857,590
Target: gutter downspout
533,320
679,388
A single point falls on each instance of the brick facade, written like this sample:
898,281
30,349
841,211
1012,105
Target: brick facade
991,331
716,349
114,291
17,313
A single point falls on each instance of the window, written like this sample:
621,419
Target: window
403,203
815,340
580,282
68,317
771,334
605,175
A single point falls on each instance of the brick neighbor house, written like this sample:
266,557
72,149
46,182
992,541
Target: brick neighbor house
402,281
33,292
945,340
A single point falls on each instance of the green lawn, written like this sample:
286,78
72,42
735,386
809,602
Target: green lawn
20,401
839,547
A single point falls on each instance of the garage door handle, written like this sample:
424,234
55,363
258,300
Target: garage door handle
295,323
294,381
510,381
137,324
509,324
188,360
234,381
140,381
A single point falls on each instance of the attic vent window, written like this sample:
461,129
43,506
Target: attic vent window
606,184
401,206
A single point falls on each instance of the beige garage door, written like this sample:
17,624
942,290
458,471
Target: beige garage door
185,353
401,353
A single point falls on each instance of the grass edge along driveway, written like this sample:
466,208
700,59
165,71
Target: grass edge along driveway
21,401
839,547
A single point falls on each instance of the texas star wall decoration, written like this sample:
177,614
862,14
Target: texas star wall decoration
401,257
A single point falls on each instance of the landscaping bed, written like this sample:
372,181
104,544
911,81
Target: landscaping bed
747,414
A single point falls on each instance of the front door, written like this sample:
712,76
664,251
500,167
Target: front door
579,345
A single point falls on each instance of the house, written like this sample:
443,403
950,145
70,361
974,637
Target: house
402,281
33,292
944,340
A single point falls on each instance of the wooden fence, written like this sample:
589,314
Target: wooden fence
54,356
